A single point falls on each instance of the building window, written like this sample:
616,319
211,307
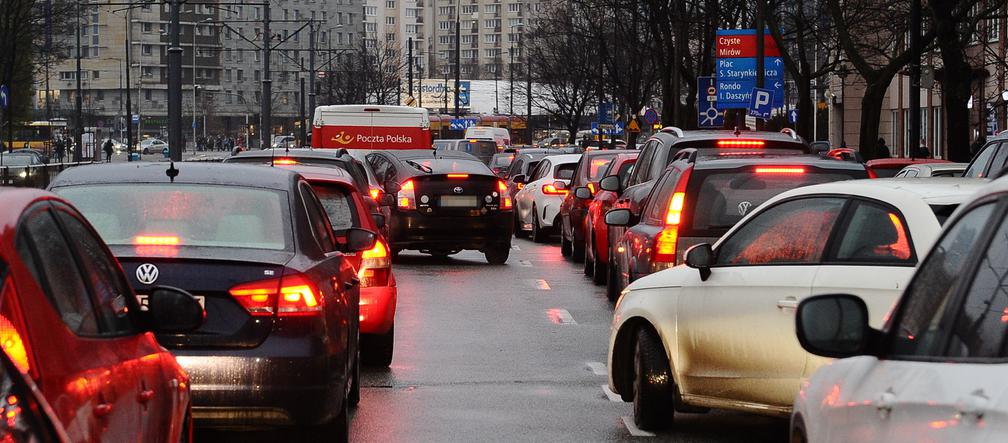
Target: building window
493,52
515,22
146,49
68,75
147,94
412,12
492,23
514,7
147,28
369,11
389,20
491,8
411,29
369,27
491,38
468,39
390,4
445,26
469,9
390,37
95,74
240,75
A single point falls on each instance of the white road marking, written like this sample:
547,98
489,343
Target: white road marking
560,316
515,247
634,430
525,263
613,397
596,367
543,286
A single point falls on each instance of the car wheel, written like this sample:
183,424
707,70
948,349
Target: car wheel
599,270
577,247
497,255
519,231
338,429
565,246
613,287
654,389
539,235
353,397
376,349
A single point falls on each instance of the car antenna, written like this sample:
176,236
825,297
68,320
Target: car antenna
172,171
737,132
272,154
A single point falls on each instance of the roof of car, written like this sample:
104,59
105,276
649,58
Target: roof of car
940,166
933,190
313,173
597,152
711,134
564,158
734,161
259,176
14,200
413,154
898,163
333,154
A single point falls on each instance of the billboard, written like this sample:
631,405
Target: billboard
434,92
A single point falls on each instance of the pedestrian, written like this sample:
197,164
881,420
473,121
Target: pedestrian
923,151
882,149
60,149
107,147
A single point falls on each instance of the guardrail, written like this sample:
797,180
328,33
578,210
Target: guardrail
34,176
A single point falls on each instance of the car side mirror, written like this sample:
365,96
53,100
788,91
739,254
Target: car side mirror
173,310
560,185
388,199
700,257
360,240
520,179
834,325
611,183
379,220
583,193
619,217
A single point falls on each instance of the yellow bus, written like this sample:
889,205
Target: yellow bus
36,134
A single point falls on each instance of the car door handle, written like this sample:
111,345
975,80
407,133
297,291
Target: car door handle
788,303
350,284
145,395
974,405
884,403
102,410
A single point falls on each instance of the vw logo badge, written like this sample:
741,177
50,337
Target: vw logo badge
743,207
147,273
457,190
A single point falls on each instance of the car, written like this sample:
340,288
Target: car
889,167
991,159
31,418
443,202
347,209
483,149
845,154
587,174
284,142
256,247
40,157
500,163
152,145
597,240
718,331
821,147
71,322
501,137
525,161
943,169
697,199
21,168
934,371
537,204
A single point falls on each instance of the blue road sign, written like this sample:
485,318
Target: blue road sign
761,103
605,113
460,124
464,88
136,118
608,129
709,116
736,70
651,116
4,96
792,116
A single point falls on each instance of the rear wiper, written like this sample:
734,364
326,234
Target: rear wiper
426,169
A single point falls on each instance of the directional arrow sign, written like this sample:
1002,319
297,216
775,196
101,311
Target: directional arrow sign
736,68
4,97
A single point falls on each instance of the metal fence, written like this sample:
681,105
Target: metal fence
34,176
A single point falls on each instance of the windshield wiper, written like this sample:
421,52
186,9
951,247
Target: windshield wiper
426,169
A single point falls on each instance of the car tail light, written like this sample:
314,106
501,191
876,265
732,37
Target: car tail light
667,242
501,186
156,240
871,173
287,296
780,170
591,187
12,330
506,203
285,161
549,189
375,194
406,196
463,176
375,266
740,143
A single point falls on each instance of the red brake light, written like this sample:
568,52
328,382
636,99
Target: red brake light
285,161
549,189
780,170
258,298
591,187
291,295
871,173
501,186
11,328
156,240
375,266
375,193
458,175
667,242
740,143
406,197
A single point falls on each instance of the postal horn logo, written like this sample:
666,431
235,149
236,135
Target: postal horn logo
343,138
147,273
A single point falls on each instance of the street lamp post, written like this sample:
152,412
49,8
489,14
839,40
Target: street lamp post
78,100
458,53
174,82
842,72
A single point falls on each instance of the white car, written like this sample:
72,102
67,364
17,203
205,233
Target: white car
936,372
945,169
537,204
718,332
152,146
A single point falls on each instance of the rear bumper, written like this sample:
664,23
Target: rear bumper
412,230
377,309
279,383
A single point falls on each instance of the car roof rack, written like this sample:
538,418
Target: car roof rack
673,130
791,133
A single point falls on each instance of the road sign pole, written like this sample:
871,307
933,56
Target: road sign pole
760,53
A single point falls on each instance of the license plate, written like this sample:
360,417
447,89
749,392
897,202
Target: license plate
199,298
459,201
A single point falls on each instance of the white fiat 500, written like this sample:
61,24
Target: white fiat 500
936,371
537,204
718,332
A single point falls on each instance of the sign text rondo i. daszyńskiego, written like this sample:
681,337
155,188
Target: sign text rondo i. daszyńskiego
371,127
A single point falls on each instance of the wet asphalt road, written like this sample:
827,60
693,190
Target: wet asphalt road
507,353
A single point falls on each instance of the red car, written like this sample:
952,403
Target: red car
69,320
374,267
597,240
889,167
589,170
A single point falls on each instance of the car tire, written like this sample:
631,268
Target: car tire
600,272
577,247
377,349
539,235
565,246
497,255
589,263
519,231
613,287
338,429
654,389
353,397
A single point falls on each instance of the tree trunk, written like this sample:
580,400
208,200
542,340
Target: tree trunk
871,115
806,109
956,88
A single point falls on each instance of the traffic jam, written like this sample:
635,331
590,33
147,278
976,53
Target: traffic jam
380,285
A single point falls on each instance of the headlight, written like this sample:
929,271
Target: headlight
23,174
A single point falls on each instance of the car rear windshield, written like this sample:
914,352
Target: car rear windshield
502,161
185,215
943,212
339,206
359,174
720,198
598,166
886,172
478,147
564,171
17,160
448,165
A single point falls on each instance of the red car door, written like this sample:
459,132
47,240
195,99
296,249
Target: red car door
140,364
